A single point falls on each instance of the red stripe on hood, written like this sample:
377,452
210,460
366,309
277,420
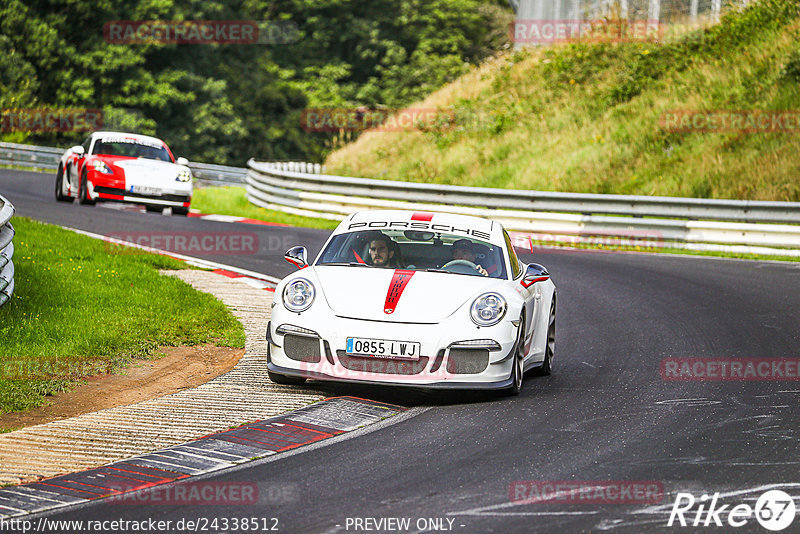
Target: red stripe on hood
422,216
396,287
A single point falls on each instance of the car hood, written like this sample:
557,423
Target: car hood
421,297
149,171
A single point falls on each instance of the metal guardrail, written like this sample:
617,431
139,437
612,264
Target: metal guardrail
300,188
289,182
210,174
546,216
45,157
37,157
6,251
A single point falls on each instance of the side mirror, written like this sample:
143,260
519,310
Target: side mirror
534,273
297,256
78,150
182,161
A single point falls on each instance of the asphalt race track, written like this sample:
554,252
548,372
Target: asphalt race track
606,413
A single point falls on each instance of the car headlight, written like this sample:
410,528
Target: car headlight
298,295
184,176
488,309
100,166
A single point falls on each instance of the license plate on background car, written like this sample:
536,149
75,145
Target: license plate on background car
383,348
145,190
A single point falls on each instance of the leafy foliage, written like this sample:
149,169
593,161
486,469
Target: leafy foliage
227,103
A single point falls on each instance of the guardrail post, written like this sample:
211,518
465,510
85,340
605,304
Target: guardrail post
6,251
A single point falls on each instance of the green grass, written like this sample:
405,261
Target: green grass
730,255
81,307
232,200
586,117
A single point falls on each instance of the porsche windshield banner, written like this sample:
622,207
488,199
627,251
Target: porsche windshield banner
418,225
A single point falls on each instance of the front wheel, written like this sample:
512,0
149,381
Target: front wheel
184,211
550,349
83,191
60,196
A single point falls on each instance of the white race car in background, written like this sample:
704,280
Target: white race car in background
414,299
123,167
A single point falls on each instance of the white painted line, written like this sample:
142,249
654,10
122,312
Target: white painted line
197,262
221,218
490,510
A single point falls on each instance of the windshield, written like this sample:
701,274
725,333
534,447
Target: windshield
133,148
416,251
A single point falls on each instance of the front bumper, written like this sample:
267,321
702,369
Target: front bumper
453,384
114,188
174,200
443,362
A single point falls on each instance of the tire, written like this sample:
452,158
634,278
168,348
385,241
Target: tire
60,196
180,211
517,368
550,349
286,380
83,191
154,209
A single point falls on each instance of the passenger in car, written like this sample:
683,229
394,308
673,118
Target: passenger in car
464,249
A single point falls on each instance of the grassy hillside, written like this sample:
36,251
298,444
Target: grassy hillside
586,117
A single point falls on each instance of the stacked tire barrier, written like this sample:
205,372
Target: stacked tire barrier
6,251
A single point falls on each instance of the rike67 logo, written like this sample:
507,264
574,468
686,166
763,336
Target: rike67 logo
774,510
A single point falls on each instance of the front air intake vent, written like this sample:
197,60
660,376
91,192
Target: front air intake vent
301,348
467,361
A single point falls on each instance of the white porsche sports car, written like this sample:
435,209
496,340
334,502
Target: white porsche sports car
414,299
123,167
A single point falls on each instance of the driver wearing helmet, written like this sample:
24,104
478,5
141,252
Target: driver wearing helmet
464,249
